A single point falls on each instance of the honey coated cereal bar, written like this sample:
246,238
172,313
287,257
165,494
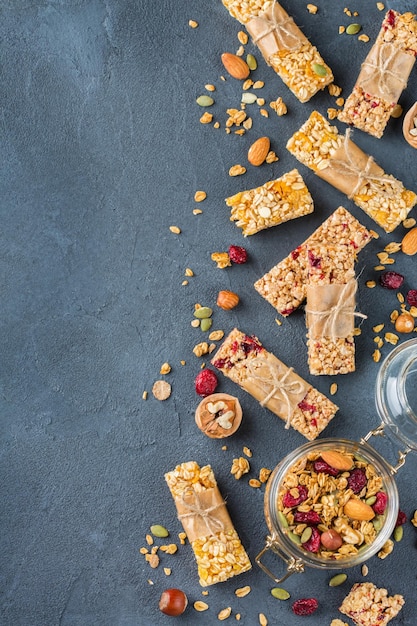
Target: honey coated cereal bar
283,45
336,159
367,605
244,360
383,75
284,286
202,511
274,202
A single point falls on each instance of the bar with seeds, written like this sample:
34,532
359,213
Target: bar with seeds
383,75
284,286
366,605
202,511
273,203
337,160
331,289
244,360
283,45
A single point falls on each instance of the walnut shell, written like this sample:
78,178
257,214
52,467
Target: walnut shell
409,125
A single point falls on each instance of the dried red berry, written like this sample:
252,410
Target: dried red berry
357,480
401,519
313,544
307,517
238,254
206,383
412,297
321,466
391,280
304,406
305,606
250,344
380,503
290,501
315,261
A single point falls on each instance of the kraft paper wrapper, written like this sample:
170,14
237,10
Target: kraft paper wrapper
274,31
203,513
320,300
385,72
265,374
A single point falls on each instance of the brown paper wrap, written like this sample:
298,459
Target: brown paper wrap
274,31
203,513
385,72
330,310
349,168
275,385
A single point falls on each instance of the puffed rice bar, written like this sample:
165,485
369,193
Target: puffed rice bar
338,160
367,605
273,203
219,553
384,75
235,359
292,56
284,286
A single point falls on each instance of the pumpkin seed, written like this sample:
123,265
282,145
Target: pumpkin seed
159,531
248,98
205,324
370,500
294,538
398,533
337,580
282,519
307,532
203,312
319,69
205,101
251,61
353,29
279,593
377,523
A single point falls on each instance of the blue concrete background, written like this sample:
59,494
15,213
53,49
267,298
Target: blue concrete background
102,151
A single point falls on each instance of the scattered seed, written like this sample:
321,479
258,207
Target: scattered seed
243,591
294,538
398,533
282,519
175,230
206,324
337,580
251,61
205,101
224,614
371,500
306,534
203,312
161,390
353,29
341,30
210,87
262,620
188,272
200,606
159,531
400,298
333,388
145,395
248,98
364,570
280,594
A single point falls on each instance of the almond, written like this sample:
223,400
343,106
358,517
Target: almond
337,460
356,509
259,151
235,66
227,300
409,242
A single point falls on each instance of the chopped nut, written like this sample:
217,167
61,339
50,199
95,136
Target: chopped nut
387,548
212,347
165,368
237,170
216,125
192,23
332,113
247,451
167,571
312,8
175,229
260,102
201,348
221,258
199,196
254,483
240,466
243,38
271,157
340,102
334,90
182,362
380,6
206,118
279,106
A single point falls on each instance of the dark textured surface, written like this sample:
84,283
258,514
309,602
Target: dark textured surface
102,151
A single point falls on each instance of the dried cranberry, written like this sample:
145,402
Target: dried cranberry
380,503
238,254
321,467
313,544
290,501
314,261
391,280
296,253
390,19
401,518
223,364
357,480
304,406
250,344
412,297
305,606
287,312
206,383
307,517
314,422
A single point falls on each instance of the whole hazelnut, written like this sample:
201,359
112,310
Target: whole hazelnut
331,540
227,300
404,323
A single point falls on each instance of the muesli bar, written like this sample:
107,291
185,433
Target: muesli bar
202,511
383,75
284,286
273,203
367,605
337,160
331,289
244,360
283,45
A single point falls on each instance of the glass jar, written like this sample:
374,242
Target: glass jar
396,402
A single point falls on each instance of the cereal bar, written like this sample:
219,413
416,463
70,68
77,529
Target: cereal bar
383,75
367,605
283,45
336,159
331,288
274,202
284,286
244,360
202,511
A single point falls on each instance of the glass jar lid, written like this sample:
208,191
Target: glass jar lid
396,393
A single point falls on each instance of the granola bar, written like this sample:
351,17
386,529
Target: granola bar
218,550
284,286
244,360
331,285
283,45
274,202
383,75
336,159
367,605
